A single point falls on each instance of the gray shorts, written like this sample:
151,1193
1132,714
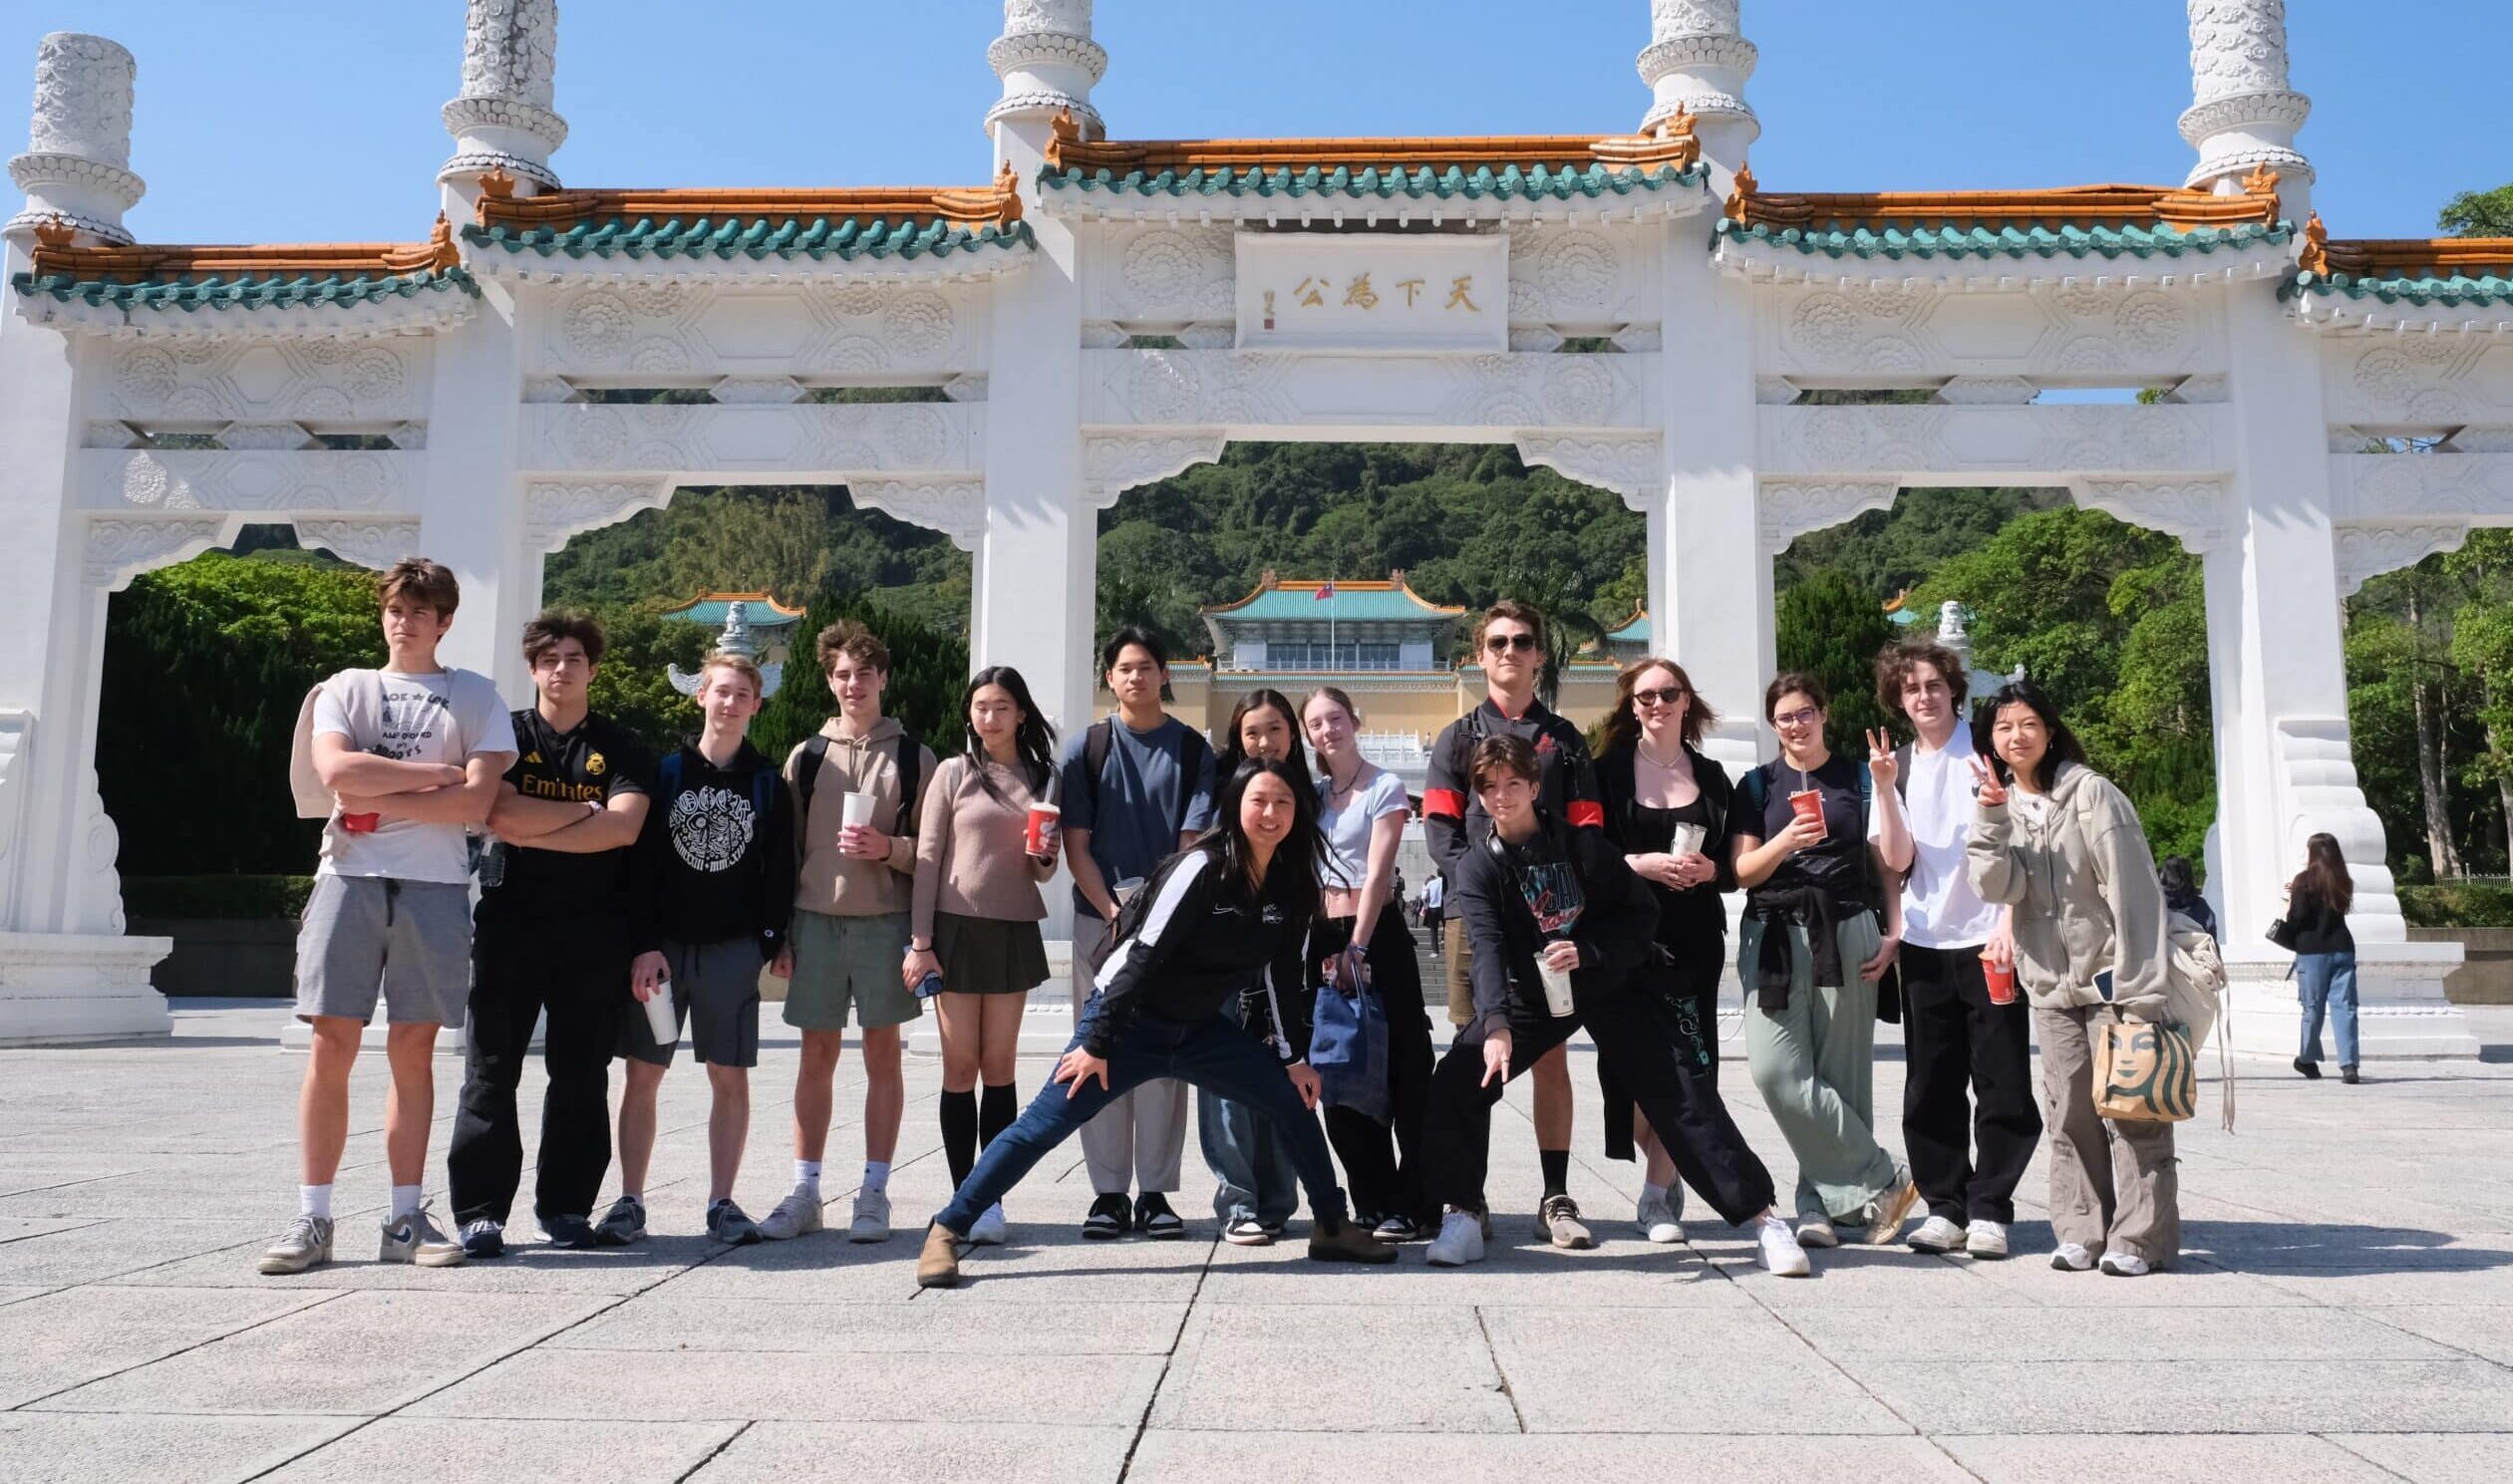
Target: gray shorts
410,941
716,994
842,961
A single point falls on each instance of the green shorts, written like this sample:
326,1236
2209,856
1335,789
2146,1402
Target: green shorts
842,961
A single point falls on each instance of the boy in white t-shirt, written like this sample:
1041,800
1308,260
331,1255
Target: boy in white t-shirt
412,754
1967,1152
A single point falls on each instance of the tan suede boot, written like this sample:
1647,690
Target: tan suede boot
938,1266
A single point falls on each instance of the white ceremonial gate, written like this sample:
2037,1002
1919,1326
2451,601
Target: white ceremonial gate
1634,311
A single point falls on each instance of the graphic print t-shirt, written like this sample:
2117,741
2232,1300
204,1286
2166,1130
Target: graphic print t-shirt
596,761
449,716
1548,885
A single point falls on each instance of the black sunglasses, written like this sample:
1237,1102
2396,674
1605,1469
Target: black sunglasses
1501,642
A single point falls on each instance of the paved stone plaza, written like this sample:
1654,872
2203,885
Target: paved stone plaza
2345,1311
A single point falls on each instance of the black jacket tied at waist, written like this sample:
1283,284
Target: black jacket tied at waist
1778,908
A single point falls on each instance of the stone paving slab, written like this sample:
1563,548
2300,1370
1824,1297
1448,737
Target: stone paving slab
2344,1311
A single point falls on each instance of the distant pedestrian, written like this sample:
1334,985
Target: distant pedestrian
2181,892
2316,905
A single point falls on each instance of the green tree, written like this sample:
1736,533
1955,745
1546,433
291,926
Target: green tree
2478,213
206,664
1832,628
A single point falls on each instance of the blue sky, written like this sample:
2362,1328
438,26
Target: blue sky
296,120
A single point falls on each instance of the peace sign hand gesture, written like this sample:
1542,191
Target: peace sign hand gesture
1986,786
1882,765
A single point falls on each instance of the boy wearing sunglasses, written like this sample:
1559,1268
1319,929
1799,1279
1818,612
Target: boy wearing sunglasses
1509,643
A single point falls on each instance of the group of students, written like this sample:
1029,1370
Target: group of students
1221,891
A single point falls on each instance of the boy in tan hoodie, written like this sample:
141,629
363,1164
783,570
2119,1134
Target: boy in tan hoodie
850,926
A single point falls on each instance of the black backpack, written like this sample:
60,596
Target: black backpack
909,758
1131,912
1101,737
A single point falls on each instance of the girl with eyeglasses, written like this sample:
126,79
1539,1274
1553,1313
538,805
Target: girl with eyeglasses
1810,953
1671,811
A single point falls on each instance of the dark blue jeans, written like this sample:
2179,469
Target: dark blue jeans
1211,1054
1251,1172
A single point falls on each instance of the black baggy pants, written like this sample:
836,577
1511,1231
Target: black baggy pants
1382,1162
1969,1122
579,973
1636,1042
1709,1151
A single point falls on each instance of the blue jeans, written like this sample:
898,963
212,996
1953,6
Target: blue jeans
2326,981
1252,1171
1211,1054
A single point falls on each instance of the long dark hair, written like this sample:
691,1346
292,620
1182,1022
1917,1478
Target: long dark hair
1620,729
2324,877
1034,739
1231,752
2064,748
1295,863
2181,883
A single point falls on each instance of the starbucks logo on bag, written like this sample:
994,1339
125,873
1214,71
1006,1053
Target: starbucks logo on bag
711,828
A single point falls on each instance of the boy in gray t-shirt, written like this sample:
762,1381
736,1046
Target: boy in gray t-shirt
1134,788
412,754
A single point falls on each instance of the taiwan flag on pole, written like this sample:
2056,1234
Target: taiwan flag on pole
1326,590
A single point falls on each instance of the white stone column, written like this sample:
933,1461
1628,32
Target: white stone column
2242,115
504,118
1710,575
2278,689
76,171
66,971
1697,61
1048,63
474,509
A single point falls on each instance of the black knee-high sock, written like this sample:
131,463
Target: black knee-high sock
959,1133
996,1110
1557,1170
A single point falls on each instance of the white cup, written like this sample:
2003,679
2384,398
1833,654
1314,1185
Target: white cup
856,811
1689,839
1557,986
659,1018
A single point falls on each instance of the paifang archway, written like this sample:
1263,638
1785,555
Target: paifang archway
1098,313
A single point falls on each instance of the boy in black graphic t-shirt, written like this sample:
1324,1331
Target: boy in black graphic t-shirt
715,873
551,934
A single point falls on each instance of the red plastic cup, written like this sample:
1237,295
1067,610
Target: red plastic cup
1808,802
1042,828
360,824
2000,978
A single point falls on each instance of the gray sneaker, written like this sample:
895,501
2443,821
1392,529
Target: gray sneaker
796,1214
624,1223
870,1220
731,1225
307,1243
417,1238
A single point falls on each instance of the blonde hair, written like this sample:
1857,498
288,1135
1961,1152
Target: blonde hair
742,665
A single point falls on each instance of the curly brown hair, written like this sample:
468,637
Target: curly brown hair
1895,662
848,638
421,581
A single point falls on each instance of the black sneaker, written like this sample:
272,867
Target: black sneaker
573,1233
1154,1219
1397,1230
1110,1217
483,1238
2309,1069
2347,1074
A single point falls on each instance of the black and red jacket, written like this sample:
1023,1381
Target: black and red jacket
1453,819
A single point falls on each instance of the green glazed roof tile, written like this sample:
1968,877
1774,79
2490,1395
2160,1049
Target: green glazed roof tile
245,290
1867,240
845,238
1498,180
2420,289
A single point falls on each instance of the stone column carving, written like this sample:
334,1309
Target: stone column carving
1048,63
2242,115
503,117
1697,62
76,171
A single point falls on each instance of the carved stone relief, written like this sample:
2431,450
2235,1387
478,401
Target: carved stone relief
686,329
376,543
261,381
212,479
2192,511
1633,465
556,510
1786,510
892,437
120,550
955,507
2369,550
1497,391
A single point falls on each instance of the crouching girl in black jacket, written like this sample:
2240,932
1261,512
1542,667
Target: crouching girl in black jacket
1229,915
1538,892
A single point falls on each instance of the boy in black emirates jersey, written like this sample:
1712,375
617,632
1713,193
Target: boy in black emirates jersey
551,934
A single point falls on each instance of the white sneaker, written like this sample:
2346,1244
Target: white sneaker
1461,1241
795,1215
2125,1265
2071,1256
1986,1239
1655,1218
988,1229
1813,1232
1777,1250
1937,1235
871,1219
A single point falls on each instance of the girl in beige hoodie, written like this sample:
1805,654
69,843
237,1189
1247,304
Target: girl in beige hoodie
2061,844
